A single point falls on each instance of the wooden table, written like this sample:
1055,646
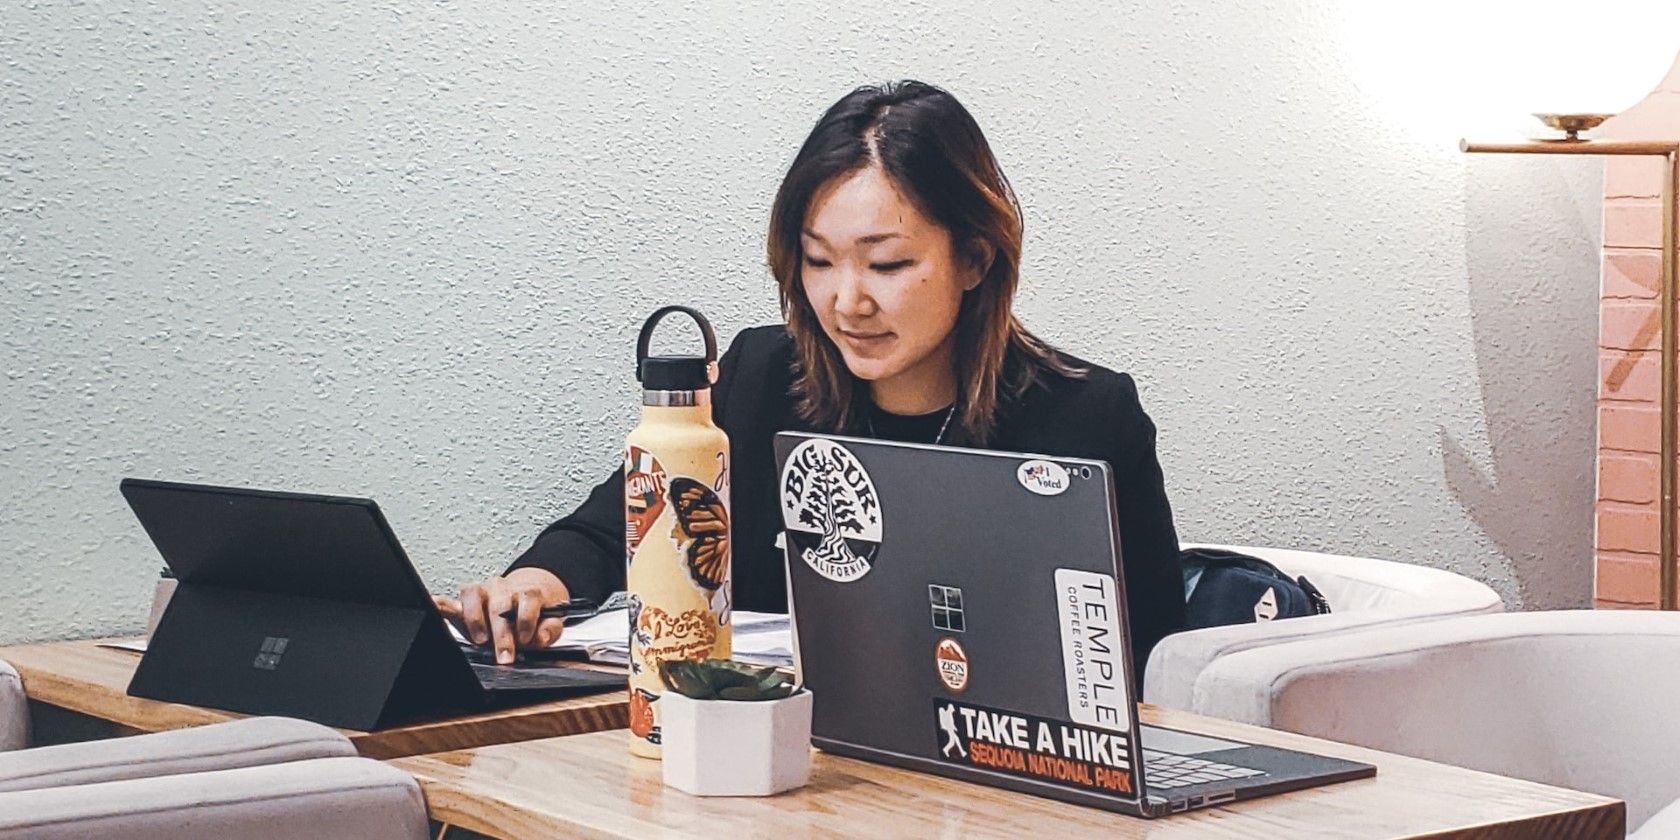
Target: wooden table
588,786
82,689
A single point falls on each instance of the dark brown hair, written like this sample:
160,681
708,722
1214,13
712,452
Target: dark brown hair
934,152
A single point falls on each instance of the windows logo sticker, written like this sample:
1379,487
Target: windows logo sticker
947,608
268,658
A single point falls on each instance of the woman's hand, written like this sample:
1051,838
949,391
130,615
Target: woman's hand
478,612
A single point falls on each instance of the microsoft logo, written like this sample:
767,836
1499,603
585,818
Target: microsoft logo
947,607
269,657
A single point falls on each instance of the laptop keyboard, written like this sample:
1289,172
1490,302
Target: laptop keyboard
1166,770
504,678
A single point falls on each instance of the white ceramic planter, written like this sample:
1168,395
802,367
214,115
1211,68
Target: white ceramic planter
735,748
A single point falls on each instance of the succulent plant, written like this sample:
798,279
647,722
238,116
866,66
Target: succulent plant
722,679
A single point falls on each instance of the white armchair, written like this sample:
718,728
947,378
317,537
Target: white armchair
1575,698
263,778
1362,592
299,800
14,710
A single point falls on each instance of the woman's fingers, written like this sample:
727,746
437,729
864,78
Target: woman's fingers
450,609
501,601
506,612
549,630
472,613
525,626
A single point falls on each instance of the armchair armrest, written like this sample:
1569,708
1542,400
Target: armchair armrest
1570,698
14,710
1362,592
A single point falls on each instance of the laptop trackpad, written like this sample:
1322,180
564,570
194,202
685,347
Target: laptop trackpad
1182,743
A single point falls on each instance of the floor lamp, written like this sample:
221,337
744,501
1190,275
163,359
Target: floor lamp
1669,150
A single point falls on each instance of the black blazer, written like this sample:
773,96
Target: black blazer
1096,417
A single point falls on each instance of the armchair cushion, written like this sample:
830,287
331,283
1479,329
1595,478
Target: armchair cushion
301,800
240,743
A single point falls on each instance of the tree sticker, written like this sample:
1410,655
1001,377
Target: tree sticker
830,510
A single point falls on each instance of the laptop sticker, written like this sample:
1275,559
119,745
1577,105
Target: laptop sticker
830,510
1045,478
952,662
947,603
1091,649
1032,747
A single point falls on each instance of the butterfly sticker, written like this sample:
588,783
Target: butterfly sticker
702,531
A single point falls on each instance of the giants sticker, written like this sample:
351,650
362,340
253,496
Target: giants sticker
1022,745
1091,649
644,496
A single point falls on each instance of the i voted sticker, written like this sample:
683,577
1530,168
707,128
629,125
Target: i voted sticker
1045,478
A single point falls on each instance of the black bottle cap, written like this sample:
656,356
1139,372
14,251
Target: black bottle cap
675,373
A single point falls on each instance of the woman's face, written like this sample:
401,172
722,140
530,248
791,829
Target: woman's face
884,281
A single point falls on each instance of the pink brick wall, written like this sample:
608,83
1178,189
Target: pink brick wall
1629,418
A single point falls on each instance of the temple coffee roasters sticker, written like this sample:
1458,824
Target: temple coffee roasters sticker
830,510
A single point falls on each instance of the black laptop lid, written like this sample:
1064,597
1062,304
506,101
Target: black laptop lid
282,543
936,586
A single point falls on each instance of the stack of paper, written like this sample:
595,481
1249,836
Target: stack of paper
759,638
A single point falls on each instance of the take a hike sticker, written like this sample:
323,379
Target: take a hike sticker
830,510
1050,751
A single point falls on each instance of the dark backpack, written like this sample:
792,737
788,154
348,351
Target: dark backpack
1224,587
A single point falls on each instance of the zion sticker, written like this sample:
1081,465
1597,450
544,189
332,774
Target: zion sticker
952,662
830,510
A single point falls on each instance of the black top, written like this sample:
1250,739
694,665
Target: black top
933,427
1096,417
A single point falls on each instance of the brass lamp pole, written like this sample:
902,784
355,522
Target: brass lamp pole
1669,151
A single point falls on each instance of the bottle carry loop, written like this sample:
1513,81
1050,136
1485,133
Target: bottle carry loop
706,334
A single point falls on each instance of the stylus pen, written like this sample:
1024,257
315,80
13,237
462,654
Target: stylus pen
574,607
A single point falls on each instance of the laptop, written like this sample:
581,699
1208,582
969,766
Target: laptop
963,612
306,606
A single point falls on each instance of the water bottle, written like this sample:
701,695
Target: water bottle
676,524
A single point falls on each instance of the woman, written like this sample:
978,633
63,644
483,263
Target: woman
896,243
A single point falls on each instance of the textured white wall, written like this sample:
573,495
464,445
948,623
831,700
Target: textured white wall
400,249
